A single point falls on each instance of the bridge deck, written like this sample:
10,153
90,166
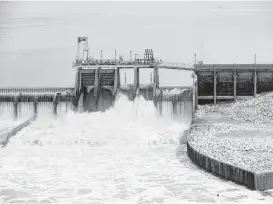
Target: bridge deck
135,65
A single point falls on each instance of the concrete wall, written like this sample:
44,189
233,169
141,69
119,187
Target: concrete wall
252,180
4,137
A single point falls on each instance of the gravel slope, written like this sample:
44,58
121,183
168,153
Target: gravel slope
238,133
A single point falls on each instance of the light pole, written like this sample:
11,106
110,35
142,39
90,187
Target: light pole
115,56
101,56
195,58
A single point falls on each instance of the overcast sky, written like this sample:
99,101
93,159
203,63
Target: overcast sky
38,39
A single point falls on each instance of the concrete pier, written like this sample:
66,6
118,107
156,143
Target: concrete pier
232,81
136,81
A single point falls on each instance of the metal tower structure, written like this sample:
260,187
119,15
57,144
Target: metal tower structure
82,50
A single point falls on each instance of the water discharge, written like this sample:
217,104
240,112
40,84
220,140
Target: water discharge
127,154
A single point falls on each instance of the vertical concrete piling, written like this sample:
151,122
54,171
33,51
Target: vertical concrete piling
156,85
196,92
193,100
97,88
35,106
77,89
255,83
116,81
16,106
55,103
215,87
136,81
234,85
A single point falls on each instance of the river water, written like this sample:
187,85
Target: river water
127,154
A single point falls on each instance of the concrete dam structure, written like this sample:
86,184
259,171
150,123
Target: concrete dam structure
98,80
97,84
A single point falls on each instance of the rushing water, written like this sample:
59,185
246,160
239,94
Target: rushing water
26,110
7,119
127,154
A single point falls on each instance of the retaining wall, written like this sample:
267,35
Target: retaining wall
252,180
5,136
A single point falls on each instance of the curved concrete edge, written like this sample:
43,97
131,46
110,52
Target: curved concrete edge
252,180
5,137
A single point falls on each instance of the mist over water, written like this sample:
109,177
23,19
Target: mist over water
127,154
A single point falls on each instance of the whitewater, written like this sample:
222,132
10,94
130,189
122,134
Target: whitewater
128,154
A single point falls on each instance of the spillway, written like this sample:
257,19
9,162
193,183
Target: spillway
130,153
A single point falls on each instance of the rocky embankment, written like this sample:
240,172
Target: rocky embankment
258,110
238,133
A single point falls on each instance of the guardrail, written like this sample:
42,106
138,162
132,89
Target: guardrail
35,89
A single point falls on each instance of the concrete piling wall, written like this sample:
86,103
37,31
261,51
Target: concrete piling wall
5,137
252,180
116,81
17,99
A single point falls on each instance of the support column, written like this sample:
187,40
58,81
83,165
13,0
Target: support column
117,81
55,103
97,88
15,106
193,101
234,85
215,88
193,95
77,88
35,106
67,99
78,80
196,93
136,81
255,83
156,85
156,81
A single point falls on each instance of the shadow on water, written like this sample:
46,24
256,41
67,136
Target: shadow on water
89,102
106,99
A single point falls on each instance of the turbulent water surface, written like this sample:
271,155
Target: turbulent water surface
127,154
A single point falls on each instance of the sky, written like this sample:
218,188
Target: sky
38,39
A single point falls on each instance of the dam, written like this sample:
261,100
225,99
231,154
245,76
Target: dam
95,124
97,84
107,141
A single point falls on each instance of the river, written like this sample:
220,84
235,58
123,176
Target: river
127,154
